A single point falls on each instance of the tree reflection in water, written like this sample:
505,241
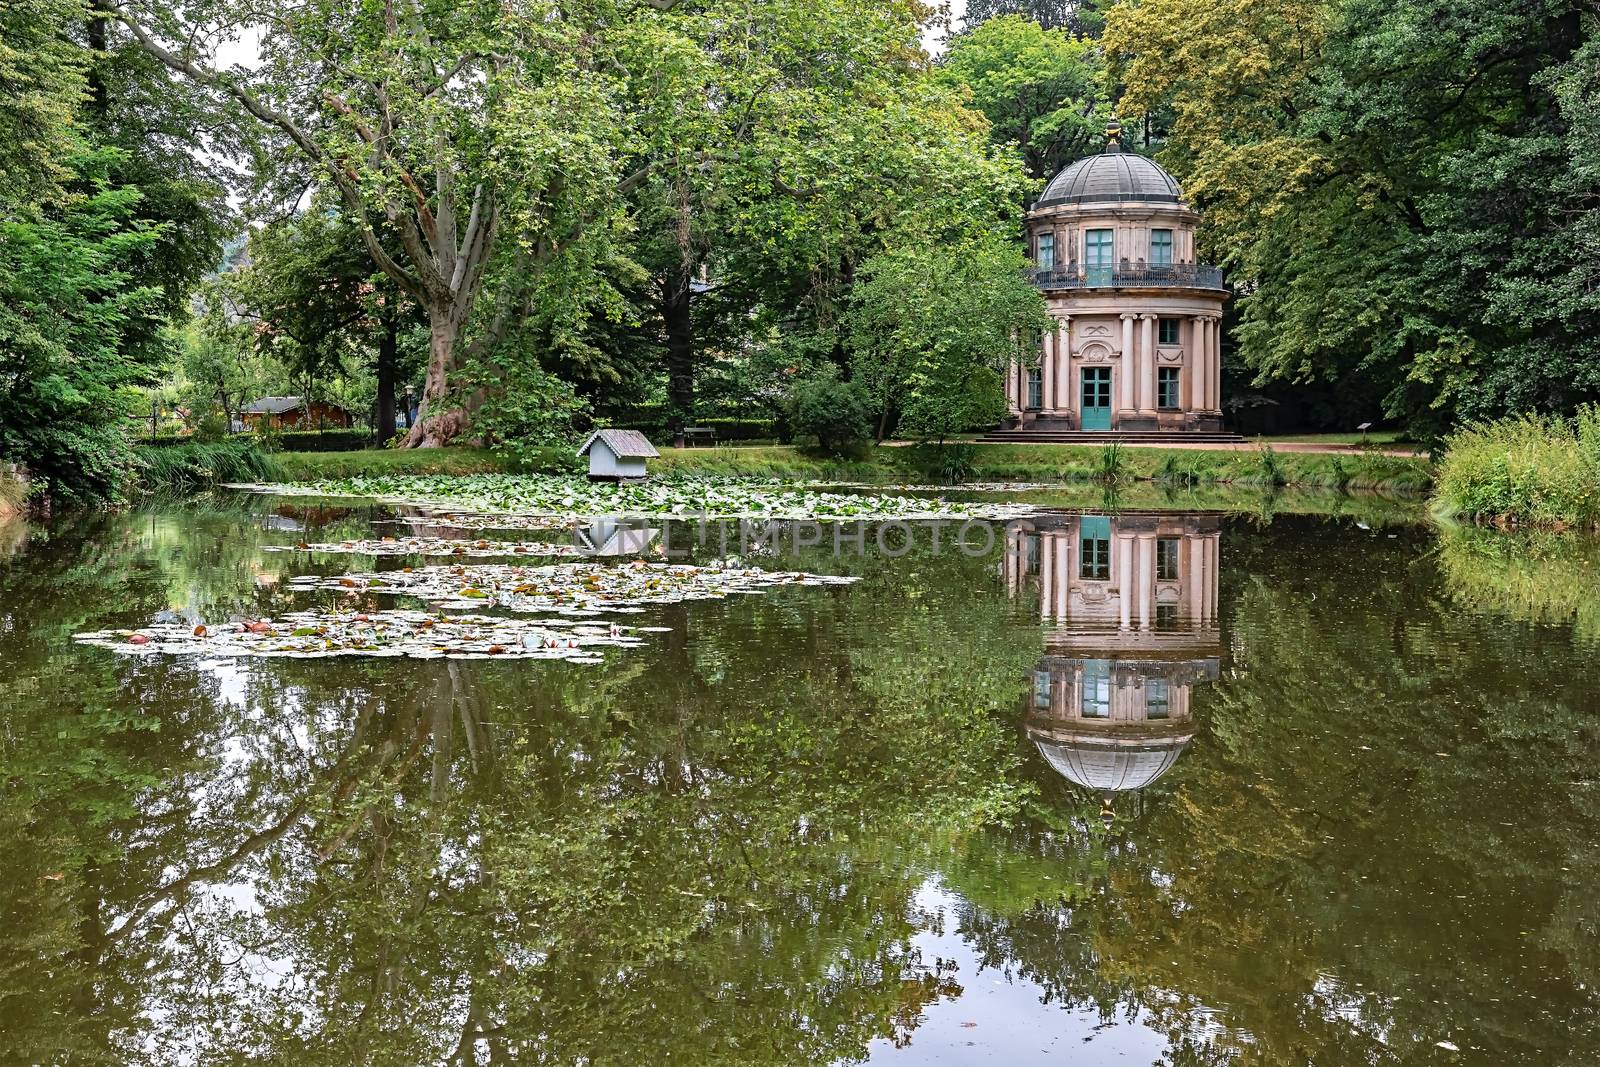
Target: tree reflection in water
1379,833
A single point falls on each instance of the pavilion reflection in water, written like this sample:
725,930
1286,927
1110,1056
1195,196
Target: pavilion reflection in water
1131,606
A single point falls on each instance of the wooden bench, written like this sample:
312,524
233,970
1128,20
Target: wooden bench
707,434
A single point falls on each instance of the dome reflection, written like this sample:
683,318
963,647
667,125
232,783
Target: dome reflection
1131,604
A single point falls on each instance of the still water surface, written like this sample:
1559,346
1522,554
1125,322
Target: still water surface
1156,788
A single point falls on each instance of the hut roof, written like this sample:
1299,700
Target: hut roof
271,405
624,444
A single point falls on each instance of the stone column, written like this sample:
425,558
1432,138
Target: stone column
1194,576
1047,572
1126,367
1047,373
1008,379
1197,363
1214,383
1060,542
1064,363
1147,578
1125,545
1147,363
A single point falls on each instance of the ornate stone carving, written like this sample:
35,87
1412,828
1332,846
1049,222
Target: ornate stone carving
1095,352
1097,330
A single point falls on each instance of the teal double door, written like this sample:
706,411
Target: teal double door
1095,396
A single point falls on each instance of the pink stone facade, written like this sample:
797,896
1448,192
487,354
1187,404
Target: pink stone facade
1113,244
1131,606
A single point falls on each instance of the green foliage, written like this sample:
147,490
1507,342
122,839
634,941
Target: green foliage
313,440
529,410
1112,466
1541,577
1271,467
41,83
932,326
1404,211
820,403
1542,470
1039,88
1079,16
68,314
199,465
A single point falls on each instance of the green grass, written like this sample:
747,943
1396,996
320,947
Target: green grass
1373,437
989,462
1186,466
13,493
198,465
311,466
1536,470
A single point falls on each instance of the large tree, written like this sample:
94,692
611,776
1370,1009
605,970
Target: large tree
1405,212
1039,88
485,136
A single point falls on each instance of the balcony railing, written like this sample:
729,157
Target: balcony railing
1178,275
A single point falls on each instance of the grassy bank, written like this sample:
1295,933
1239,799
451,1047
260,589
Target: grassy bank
197,465
310,466
1534,470
978,462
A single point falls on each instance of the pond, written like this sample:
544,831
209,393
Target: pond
1147,786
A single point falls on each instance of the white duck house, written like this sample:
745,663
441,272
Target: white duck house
617,455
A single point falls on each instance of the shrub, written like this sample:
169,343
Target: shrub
1271,466
315,440
212,427
837,412
1543,470
199,464
1112,466
529,411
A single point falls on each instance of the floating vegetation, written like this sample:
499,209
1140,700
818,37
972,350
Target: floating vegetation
414,634
434,546
573,497
472,521
964,487
568,589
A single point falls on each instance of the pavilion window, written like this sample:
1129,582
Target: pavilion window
1167,553
1095,702
1161,248
1098,251
1041,690
1047,251
1167,330
1035,388
1094,548
1157,698
1167,388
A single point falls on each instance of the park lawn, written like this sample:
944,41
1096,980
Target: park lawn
989,462
1374,437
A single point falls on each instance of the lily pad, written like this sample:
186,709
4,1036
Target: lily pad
569,498
433,546
415,634
568,588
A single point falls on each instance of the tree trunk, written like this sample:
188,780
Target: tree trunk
433,430
388,350
675,312
99,95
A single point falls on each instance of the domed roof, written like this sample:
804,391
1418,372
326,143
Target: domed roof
1111,768
1112,176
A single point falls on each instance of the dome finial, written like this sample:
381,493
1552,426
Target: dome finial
1113,134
